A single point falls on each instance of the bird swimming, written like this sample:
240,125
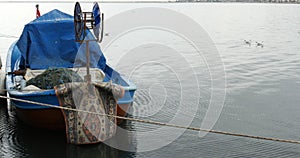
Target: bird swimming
259,44
248,42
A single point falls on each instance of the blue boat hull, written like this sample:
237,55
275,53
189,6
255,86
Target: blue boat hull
49,117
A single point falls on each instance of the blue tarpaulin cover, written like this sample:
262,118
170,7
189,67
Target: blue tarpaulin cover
49,41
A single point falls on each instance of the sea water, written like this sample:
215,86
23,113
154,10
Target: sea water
178,83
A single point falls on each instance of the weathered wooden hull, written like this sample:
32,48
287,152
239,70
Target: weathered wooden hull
52,118
122,110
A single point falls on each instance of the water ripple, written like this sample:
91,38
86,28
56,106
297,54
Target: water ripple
12,146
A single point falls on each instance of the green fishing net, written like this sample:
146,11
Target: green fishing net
53,77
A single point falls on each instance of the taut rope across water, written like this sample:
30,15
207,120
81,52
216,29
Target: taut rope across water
159,123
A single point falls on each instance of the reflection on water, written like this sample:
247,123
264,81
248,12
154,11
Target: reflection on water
20,140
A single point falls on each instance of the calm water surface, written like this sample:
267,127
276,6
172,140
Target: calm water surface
262,86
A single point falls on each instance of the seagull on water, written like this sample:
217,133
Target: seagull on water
259,44
248,42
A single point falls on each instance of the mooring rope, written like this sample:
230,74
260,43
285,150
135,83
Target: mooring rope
25,90
7,36
158,123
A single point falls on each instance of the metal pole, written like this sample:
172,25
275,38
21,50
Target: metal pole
102,28
88,76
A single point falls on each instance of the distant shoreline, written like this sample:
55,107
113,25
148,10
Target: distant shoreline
220,1
153,1
207,1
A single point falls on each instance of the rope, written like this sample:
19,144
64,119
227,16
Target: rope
21,90
158,123
7,36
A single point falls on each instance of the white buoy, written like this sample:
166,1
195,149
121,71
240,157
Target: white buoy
2,85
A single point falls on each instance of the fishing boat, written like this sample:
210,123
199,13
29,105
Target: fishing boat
49,42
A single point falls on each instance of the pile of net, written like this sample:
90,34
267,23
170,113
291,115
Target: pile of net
53,77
